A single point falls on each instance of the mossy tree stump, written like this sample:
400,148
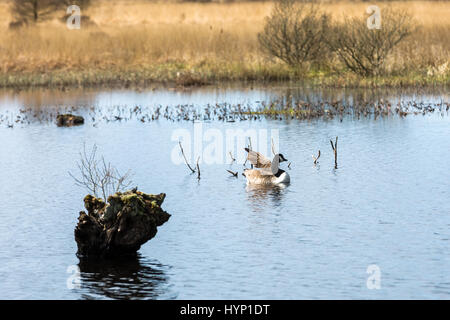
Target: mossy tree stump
120,226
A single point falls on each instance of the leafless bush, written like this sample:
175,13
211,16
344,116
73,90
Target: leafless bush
295,32
98,177
40,10
34,10
364,50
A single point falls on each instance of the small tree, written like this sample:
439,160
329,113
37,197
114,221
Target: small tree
40,10
295,32
364,50
34,10
100,179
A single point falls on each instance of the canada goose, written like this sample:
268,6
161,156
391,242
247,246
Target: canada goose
270,172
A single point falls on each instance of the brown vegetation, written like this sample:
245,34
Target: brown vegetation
295,33
141,42
363,50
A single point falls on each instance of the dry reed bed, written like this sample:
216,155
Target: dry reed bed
193,43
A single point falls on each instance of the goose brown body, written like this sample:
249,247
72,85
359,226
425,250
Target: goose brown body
269,172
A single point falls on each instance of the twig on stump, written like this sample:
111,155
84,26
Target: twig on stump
185,160
335,151
315,159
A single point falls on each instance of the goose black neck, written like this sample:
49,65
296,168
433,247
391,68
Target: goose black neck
279,172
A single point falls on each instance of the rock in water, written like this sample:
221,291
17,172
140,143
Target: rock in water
120,226
68,120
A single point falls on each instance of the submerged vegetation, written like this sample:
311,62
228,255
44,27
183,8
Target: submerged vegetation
185,44
225,112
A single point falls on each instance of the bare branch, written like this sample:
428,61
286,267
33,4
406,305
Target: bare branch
334,147
198,169
232,158
185,160
99,177
318,156
235,174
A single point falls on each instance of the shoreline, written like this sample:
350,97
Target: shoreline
164,76
194,45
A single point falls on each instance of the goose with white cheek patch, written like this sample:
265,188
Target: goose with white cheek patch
269,173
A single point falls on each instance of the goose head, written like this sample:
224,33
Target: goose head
281,157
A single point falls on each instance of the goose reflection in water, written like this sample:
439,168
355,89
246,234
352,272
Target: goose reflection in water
259,194
131,278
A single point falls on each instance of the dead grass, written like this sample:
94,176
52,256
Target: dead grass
144,41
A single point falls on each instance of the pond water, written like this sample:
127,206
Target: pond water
387,203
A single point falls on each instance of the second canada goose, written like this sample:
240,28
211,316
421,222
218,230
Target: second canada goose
269,173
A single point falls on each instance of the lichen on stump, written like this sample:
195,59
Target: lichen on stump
120,226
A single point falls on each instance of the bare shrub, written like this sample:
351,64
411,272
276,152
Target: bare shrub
99,177
364,50
40,10
295,32
34,10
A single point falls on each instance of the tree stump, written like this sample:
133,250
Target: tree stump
119,227
69,120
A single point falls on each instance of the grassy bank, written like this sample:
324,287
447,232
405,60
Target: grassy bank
184,75
142,43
